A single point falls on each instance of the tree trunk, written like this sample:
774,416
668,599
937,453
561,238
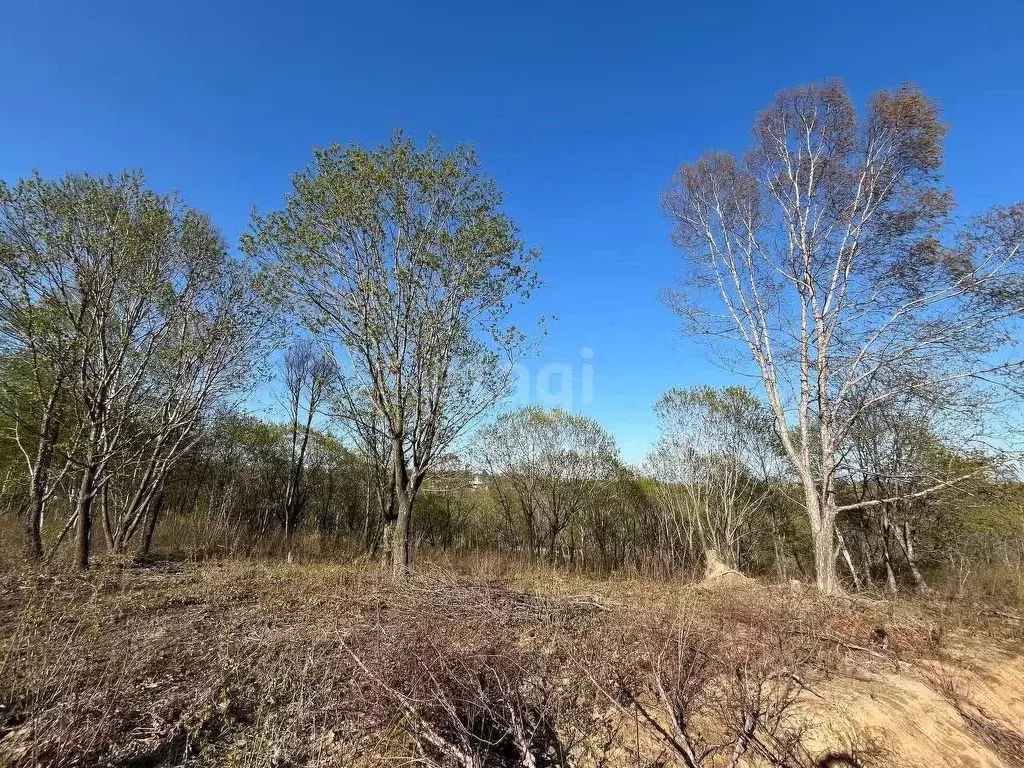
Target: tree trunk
401,532
366,511
780,559
387,540
36,506
155,507
141,501
86,494
825,562
287,512
848,559
71,523
890,575
384,540
113,541
865,554
908,550
48,430
822,512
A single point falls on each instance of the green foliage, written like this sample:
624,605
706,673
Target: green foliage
124,324
370,235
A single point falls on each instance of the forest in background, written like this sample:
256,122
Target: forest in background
874,450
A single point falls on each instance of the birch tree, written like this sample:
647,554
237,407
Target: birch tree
401,261
828,254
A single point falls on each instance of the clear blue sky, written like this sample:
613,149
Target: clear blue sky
580,111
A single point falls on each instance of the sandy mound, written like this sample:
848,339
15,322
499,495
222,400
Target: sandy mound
717,572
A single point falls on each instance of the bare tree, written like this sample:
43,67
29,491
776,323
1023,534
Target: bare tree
308,375
402,263
825,254
908,454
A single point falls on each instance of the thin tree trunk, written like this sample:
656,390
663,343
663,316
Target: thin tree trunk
387,538
113,542
890,575
86,494
141,500
36,509
366,506
40,475
847,559
780,561
865,554
155,507
531,538
71,523
908,550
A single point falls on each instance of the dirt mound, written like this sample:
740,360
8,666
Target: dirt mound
921,723
716,572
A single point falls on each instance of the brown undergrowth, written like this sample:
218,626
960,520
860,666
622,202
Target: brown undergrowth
249,664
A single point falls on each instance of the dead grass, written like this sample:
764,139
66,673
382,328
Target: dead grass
242,663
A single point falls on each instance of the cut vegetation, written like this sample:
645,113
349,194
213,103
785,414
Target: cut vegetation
239,663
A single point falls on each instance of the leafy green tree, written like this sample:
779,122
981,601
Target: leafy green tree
548,469
126,304
401,262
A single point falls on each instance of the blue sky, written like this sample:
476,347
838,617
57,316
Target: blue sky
580,111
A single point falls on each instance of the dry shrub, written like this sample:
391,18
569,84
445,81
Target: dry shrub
718,682
479,675
253,664
494,703
714,679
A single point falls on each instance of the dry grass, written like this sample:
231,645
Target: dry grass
241,663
